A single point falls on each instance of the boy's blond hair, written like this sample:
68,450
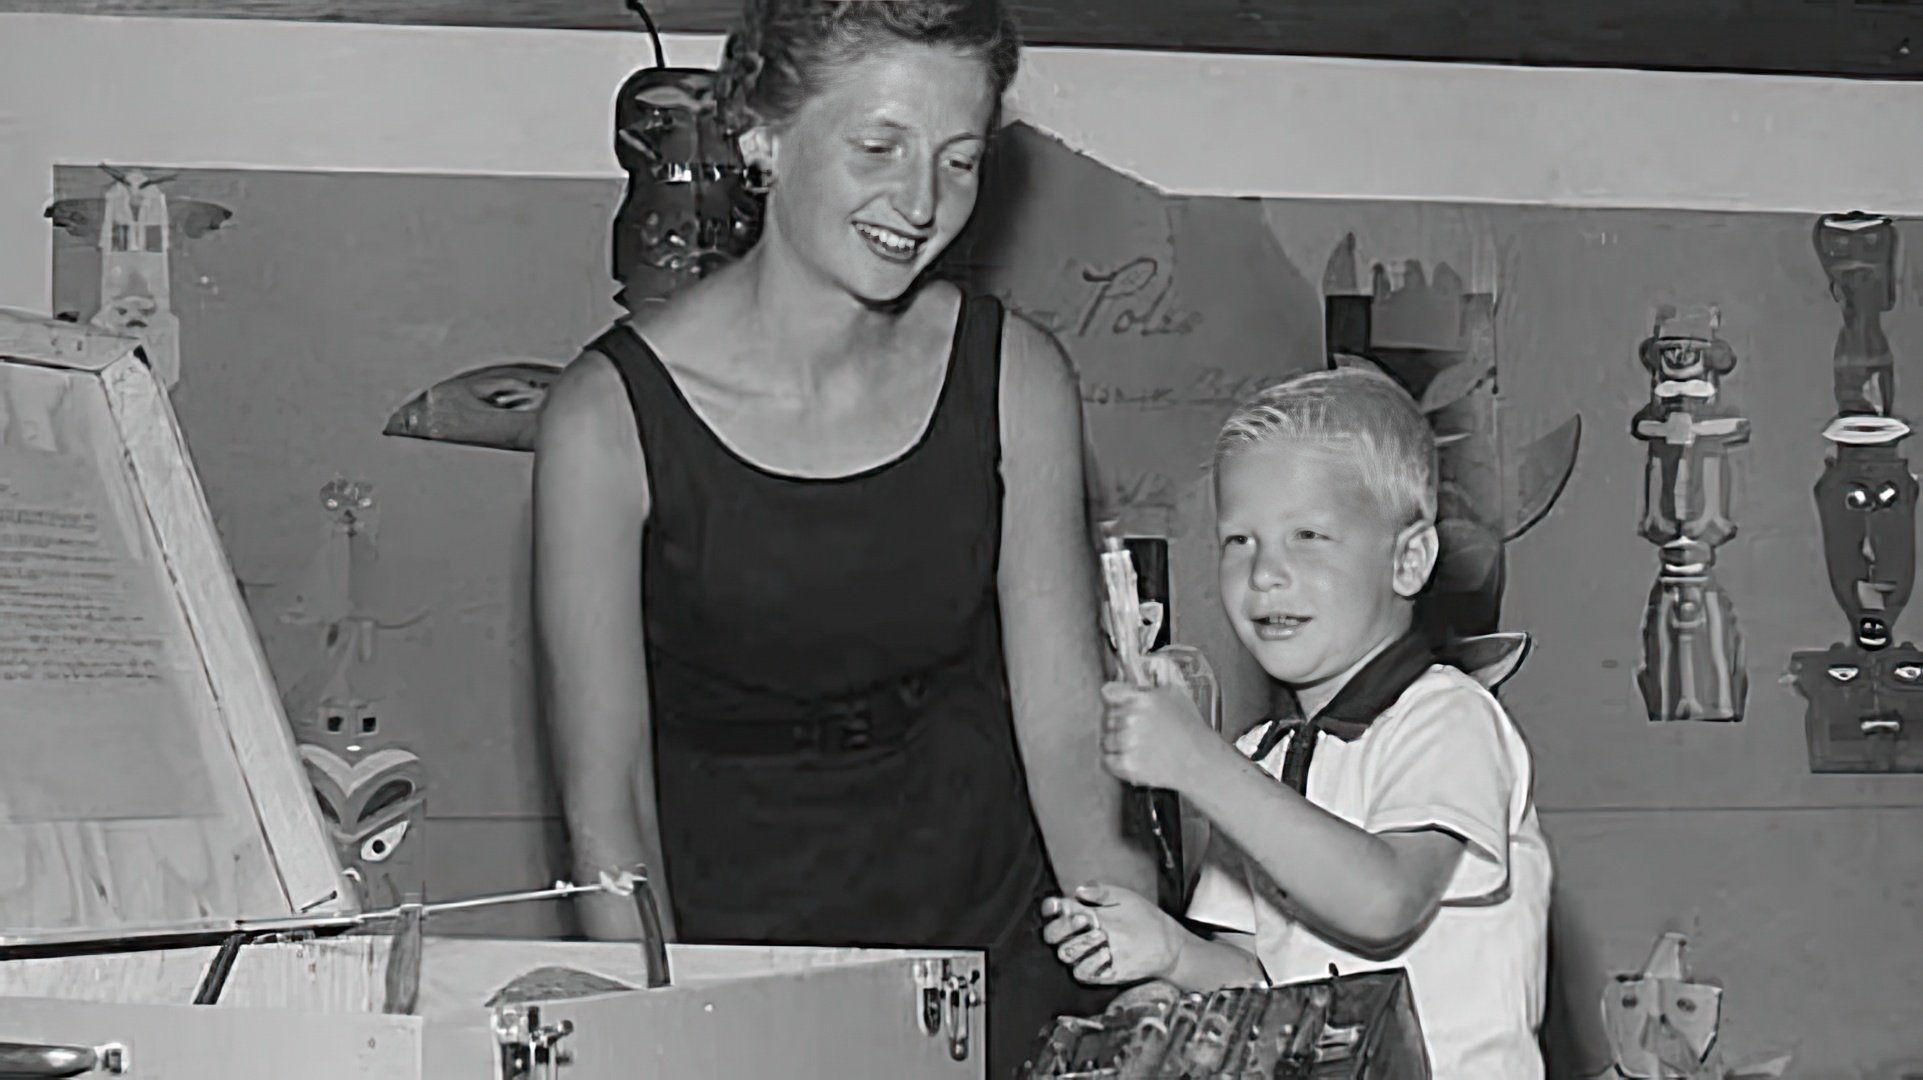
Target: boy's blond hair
1363,410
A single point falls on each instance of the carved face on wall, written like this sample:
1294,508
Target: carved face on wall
1856,695
372,794
687,209
1866,499
1858,253
1686,367
372,805
1661,1026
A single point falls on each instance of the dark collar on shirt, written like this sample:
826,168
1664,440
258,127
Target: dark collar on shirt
1367,694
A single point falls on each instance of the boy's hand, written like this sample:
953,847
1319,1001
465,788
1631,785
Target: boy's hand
1155,738
1109,935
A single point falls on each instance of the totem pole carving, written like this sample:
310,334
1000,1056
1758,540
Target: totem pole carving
1692,666
690,204
1864,695
135,225
371,790
1438,339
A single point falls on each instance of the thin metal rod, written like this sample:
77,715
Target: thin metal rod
559,890
337,923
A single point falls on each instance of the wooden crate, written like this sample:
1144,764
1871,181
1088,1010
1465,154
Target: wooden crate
152,806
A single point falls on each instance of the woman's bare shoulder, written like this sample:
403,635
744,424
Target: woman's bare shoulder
589,394
1039,383
588,444
592,396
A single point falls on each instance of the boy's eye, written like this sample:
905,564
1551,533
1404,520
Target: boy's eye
1233,539
1309,534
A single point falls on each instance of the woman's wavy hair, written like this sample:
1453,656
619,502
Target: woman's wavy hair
783,51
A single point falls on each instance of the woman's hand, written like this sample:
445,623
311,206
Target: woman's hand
1109,935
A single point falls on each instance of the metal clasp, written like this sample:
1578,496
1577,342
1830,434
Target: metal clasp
527,1045
960,996
944,1001
928,1016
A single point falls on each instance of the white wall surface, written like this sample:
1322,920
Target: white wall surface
330,96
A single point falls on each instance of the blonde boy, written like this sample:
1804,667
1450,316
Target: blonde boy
1395,828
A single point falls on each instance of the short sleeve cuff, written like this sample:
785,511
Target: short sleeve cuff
1484,870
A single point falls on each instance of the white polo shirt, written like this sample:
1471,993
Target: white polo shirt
1444,756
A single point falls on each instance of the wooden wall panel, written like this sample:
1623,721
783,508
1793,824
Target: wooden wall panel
1866,38
1801,914
484,856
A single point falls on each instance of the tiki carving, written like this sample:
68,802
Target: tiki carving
689,206
1692,667
1865,693
367,778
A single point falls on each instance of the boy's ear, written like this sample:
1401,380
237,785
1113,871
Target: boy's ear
1415,558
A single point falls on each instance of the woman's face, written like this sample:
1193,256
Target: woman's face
877,172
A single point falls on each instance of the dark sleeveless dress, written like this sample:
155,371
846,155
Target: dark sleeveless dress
834,750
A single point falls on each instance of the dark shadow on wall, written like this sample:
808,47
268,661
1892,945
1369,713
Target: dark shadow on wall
1573,1045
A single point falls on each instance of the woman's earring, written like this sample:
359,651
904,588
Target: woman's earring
760,179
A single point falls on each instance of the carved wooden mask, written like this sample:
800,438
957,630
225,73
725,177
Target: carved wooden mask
688,207
1866,500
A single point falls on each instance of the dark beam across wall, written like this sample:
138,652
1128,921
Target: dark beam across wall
1860,38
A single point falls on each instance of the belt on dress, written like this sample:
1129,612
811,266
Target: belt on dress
881,716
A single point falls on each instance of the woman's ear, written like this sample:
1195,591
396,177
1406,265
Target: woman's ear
1415,557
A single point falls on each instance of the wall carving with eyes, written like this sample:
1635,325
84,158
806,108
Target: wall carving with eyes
1864,694
358,742
1692,664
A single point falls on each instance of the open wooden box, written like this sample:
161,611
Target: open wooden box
152,808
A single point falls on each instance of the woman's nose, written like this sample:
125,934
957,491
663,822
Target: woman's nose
916,198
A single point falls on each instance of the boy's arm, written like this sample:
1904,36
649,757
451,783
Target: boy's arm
1441,778
1371,890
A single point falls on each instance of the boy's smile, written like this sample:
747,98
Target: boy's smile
1279,627
1315,572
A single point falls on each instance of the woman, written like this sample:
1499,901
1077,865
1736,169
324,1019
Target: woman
816,602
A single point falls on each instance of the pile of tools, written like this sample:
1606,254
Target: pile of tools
1357,1027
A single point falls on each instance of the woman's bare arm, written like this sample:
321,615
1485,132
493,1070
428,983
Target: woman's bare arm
590,500
1051,619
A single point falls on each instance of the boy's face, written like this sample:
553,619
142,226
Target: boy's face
1315,571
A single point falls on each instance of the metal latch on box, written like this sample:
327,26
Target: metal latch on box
946,997
527,1045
